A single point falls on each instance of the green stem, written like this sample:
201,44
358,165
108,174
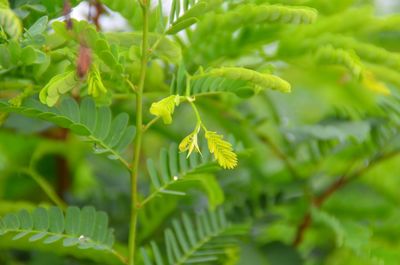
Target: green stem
196,112
139,133
148,125
46,187
132,86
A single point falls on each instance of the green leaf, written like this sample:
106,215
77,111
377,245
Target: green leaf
241,81
72,221
25,219
146,258
329,55
118,127
86,120
11,222
86,33
96,87
46,231
70,109
126,138
181,25
20,235
172,161
165,108
37,28
350,234
157,254
40,219
212,188
37,236
166,49
248,14
88,113
100,227
52,239
222,150
182,247
10,22
103,127
56,220
58,85
28,55
153,173
88,219
250,78
190,142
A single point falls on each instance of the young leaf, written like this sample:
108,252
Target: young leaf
57,86
329,55
165,49
189,143
96,87
222,150
165,108
252,77
10,22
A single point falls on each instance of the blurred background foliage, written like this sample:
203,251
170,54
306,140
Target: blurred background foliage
317,181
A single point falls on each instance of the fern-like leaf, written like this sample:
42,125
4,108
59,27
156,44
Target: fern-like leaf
247,14
110,136
86,33
329,55
192,11
154,215
222,150
202,241
241,81
174,168
80,230
366,51
255,78
165,49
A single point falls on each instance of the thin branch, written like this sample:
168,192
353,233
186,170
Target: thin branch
145,4
131,85
46,187
122,96
334,187
120,257
158,192
278,153
303,226
150,123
